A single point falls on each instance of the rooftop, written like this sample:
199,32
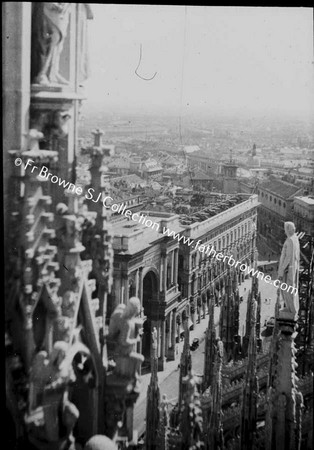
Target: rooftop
191,148
227,212
128,179
308,200
200,175
119,164
281,188
132,237
151,165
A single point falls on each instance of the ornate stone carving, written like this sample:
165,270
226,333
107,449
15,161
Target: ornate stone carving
63,328
251,389
125,329
215,428
153,397
284,414
191,424
185,361
51,416
69,303
163,426
48,126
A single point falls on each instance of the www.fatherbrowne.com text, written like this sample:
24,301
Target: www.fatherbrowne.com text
142,219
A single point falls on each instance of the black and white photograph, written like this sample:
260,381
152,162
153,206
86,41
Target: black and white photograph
158,206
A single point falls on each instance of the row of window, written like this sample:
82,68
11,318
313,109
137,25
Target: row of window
227,226
271,199
223,243
200,280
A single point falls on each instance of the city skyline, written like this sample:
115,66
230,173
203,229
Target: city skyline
199,59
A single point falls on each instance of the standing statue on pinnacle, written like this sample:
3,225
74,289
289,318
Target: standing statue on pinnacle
288,271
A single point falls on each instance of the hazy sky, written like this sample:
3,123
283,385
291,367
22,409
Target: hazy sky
216,58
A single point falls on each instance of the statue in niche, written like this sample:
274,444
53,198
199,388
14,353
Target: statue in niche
47,129
34,136
125,329
49,28
288,271
59,126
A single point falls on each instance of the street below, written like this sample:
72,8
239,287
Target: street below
169,378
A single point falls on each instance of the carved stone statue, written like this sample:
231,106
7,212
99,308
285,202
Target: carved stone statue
69,303
49,397
51,416
288,271
49,29
125,329
154,343
63,328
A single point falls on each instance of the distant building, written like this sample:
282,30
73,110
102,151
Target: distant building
146,265
303,214
135,163
202,161
229,176
175,280
276,197
120,166
253,160
191,148
151,170
169,161
201,180
231,231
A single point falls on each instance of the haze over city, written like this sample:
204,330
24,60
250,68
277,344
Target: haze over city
201,59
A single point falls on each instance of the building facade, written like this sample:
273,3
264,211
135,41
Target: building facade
303,214
151,170
201,276
276,198
146,266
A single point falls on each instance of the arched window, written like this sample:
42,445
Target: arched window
132,289
168,275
